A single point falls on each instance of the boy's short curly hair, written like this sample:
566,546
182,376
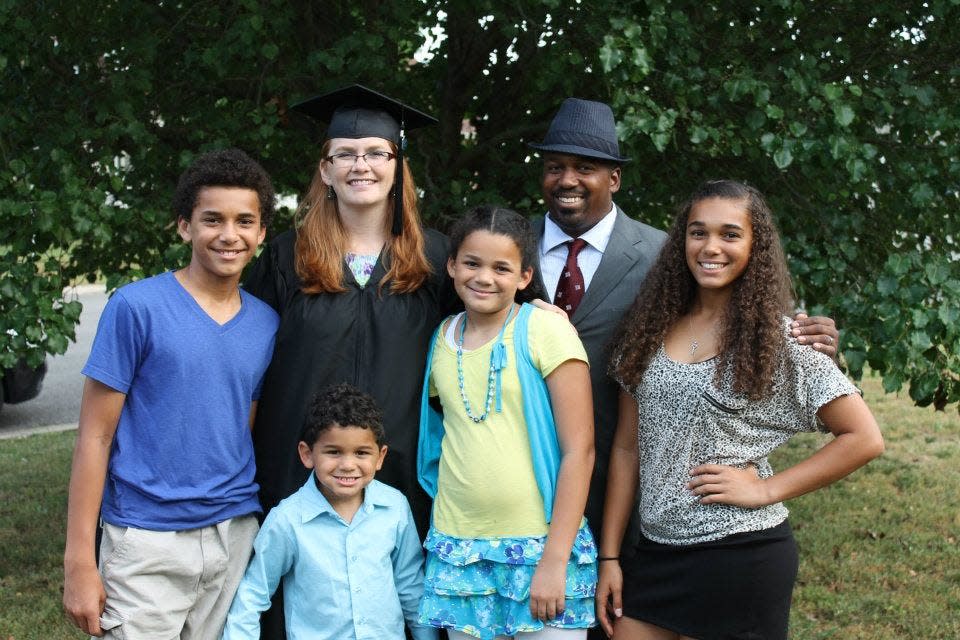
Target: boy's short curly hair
223,168
342,405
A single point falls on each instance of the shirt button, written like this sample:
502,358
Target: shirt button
357,590
353,558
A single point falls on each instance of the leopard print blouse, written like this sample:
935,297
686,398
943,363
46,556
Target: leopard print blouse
685,420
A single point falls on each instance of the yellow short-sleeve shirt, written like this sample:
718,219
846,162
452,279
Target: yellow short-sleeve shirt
486,485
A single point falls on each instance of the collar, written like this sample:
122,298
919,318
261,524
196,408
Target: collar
315,504
597,236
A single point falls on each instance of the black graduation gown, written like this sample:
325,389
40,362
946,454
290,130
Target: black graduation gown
372,339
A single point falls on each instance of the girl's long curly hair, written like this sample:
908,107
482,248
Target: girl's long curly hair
751,329
322,240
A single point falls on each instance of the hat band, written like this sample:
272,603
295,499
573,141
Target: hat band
581,139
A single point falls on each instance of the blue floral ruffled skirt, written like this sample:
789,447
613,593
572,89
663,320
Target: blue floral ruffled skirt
482,586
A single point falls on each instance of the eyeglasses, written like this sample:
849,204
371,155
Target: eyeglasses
372,158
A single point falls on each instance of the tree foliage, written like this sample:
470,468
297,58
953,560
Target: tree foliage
844,114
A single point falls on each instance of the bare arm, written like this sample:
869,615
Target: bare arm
253,413
622,478
83,594
572,403
856,441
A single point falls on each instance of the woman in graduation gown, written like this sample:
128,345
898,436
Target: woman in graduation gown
359,286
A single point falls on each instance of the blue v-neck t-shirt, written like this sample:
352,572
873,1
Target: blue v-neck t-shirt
182,456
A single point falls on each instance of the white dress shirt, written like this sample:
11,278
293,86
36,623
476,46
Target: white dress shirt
553,251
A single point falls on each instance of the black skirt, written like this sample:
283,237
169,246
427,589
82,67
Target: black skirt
738,587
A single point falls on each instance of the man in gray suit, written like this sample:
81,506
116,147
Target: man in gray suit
581,172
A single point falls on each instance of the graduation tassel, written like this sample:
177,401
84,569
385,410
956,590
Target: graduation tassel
397,227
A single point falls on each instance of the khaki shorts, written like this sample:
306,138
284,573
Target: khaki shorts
172,584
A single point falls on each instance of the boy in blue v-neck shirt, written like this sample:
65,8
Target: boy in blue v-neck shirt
344,545
164,455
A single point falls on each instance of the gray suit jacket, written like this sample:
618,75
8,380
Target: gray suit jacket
631,251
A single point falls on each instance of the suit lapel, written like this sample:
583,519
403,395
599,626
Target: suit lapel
622,252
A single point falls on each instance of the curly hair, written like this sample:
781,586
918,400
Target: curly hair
751,327
504,222
223,168
322,241
342,405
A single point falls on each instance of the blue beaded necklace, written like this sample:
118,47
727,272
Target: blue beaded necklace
498,361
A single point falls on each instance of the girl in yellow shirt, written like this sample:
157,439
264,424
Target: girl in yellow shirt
508,553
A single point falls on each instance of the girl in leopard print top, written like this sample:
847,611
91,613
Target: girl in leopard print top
712,383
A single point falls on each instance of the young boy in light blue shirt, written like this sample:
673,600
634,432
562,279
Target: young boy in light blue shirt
344,544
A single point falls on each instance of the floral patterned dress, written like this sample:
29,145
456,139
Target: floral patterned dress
482,587
489,522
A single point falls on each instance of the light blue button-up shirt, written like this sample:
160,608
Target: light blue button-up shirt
342,581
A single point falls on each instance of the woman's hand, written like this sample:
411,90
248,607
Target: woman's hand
609,595
723,484
547,590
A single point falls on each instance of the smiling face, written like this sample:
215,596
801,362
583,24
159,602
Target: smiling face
224,231
487,273
344,460
719,237
359,185
578,191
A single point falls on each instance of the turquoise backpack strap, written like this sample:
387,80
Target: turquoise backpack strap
431,428
538,414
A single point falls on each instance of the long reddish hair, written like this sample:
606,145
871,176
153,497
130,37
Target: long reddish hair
322,240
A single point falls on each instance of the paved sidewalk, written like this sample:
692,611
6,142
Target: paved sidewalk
58,405
22,432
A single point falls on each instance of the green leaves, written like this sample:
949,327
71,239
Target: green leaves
854,141
270,51
832,92
914,325
610,55
921,194
843,114
887,285
783,158
851,142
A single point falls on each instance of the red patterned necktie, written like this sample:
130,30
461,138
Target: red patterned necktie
570,288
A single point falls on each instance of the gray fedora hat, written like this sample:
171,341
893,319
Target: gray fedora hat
583,128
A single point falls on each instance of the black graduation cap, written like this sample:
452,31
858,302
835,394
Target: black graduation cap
358,112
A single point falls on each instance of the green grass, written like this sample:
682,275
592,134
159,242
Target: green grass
33,511
879,551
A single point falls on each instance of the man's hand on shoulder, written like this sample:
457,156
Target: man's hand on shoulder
552,308
819,332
